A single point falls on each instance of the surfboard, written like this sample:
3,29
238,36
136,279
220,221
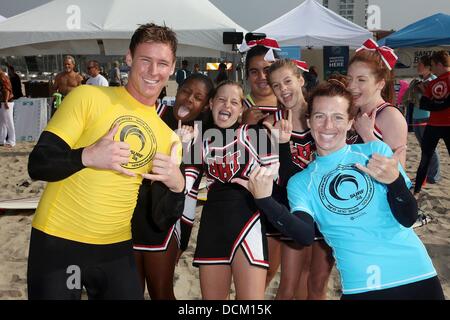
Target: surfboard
202,194
20,204
202,190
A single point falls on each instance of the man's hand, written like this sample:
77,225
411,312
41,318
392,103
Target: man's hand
253,115
282,130
107,154
167,169
260,182
381,168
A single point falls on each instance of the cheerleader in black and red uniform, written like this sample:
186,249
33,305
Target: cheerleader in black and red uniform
261,104
157,251
231,241
370,79
304,270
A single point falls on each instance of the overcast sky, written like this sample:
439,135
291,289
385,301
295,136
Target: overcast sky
252,14
395,14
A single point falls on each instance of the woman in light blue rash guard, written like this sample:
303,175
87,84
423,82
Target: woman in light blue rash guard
358,195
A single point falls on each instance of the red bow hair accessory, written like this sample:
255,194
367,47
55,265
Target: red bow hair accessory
266,42
302,65
387,54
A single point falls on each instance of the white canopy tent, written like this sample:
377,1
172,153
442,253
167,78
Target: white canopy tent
311,25
2,18
106,26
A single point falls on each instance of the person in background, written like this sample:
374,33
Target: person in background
435,98
311,79
69,79
222,75
15,82
96,79
115,80
400,88
197,69
420,116
65,82
103,73
7,130
183,73
162,95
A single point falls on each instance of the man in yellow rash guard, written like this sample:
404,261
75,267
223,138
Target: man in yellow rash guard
93,153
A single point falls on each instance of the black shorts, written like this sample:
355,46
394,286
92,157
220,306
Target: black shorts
273,232
146,235
58,269
428,289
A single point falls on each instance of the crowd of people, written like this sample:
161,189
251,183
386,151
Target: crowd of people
298,179
64,82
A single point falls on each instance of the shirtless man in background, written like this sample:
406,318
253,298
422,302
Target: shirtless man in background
68,79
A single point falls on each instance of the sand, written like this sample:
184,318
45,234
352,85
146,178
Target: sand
15,227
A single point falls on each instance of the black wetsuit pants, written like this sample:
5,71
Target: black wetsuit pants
59,268
428,289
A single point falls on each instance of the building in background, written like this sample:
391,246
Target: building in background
353,10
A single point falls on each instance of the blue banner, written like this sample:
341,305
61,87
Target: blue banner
290,52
